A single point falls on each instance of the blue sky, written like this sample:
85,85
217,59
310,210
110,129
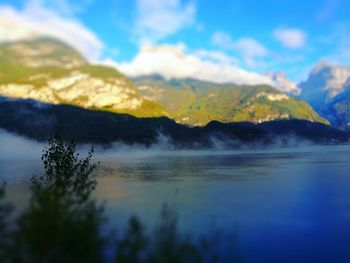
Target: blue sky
217,37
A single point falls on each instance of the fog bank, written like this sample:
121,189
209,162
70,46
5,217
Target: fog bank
17,148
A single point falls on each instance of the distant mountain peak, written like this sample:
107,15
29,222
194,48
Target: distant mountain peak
321,66
326,81
327,89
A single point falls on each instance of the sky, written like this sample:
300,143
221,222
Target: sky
222,40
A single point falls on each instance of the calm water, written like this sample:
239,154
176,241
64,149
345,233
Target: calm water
282,205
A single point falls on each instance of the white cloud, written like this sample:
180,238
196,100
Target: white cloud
248,48
172,61
223,40
64,7
292,38
216,56
157,19
35,20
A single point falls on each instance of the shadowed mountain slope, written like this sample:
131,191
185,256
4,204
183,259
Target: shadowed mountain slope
39,121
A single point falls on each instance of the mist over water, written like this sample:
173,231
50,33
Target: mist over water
285,204
16,147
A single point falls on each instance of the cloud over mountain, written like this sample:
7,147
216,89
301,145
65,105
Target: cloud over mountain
175,61
36,20
282,83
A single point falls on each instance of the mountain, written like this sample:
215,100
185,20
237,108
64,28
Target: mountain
197,103
38,121
45,84
50,71
324,82
40,52
339,109
327,90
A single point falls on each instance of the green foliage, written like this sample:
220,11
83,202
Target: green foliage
148,109
65,174
103,72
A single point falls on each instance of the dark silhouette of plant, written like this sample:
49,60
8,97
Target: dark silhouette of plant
168,245
65,174
164,244
131,248
62,223
5,234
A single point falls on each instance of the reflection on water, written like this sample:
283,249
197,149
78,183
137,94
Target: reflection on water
290,204
206,167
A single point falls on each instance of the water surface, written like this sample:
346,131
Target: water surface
282,205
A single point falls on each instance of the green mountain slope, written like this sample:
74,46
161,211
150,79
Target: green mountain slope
50,71
196,102
40,52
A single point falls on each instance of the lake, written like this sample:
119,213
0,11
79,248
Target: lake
281,205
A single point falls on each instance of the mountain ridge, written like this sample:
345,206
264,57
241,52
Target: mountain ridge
197,102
